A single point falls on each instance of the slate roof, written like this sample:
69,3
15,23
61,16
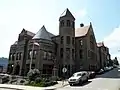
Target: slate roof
28,32
67,13
82,31
43,34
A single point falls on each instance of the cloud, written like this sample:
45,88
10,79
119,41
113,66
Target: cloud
81,13
113,42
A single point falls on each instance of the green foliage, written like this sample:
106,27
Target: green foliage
38,80
42,82
33,74
22,81
115,61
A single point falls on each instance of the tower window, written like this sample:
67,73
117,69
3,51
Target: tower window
81,54
73,54
61,39
68,40
73,40
68,23
62,23
67,53
61,52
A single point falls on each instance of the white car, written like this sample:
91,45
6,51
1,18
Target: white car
78,78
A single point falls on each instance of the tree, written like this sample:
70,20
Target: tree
115,61
110,63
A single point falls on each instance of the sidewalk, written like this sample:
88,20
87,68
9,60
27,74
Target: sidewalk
21,87
59,85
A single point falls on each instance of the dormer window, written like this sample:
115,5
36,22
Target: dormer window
68,23
62,23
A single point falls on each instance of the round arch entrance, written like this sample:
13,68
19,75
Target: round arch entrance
17,69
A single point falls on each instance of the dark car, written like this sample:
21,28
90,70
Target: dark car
100,72
92,74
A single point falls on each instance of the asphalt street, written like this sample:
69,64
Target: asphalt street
107,81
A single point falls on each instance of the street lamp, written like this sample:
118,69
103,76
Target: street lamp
55,68
31,53
12,65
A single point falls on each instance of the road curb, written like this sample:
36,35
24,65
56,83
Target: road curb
61,86
57,87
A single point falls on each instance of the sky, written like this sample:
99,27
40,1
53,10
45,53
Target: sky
32,14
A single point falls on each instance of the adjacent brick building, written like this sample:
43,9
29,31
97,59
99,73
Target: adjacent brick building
104,55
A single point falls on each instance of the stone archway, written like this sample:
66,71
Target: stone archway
17,69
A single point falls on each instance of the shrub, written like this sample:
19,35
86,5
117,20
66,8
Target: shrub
33,74
22,81
38,80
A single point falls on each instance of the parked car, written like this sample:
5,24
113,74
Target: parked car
100,72
110,68
78,78
4,78
115,66
91,74
106,69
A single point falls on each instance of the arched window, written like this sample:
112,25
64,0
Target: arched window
13,57
17,56
62,23
20,54
68,23
34,54
68,39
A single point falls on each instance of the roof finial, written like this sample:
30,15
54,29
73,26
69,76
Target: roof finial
90,23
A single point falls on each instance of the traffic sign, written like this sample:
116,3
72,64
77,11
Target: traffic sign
64,70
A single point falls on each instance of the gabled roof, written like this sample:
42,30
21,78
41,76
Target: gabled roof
27,32
43,34
82,31
30,33
16,42
67,13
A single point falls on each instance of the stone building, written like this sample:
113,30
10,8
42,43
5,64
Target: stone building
104,55
75,49
86,48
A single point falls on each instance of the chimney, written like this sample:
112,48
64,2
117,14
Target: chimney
81,25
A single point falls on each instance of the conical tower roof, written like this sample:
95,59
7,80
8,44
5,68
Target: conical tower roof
67,13
42,34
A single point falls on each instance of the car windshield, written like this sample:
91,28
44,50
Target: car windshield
79,74
76,75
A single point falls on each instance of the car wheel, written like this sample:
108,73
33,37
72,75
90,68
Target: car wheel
86,79
80,82
71,84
